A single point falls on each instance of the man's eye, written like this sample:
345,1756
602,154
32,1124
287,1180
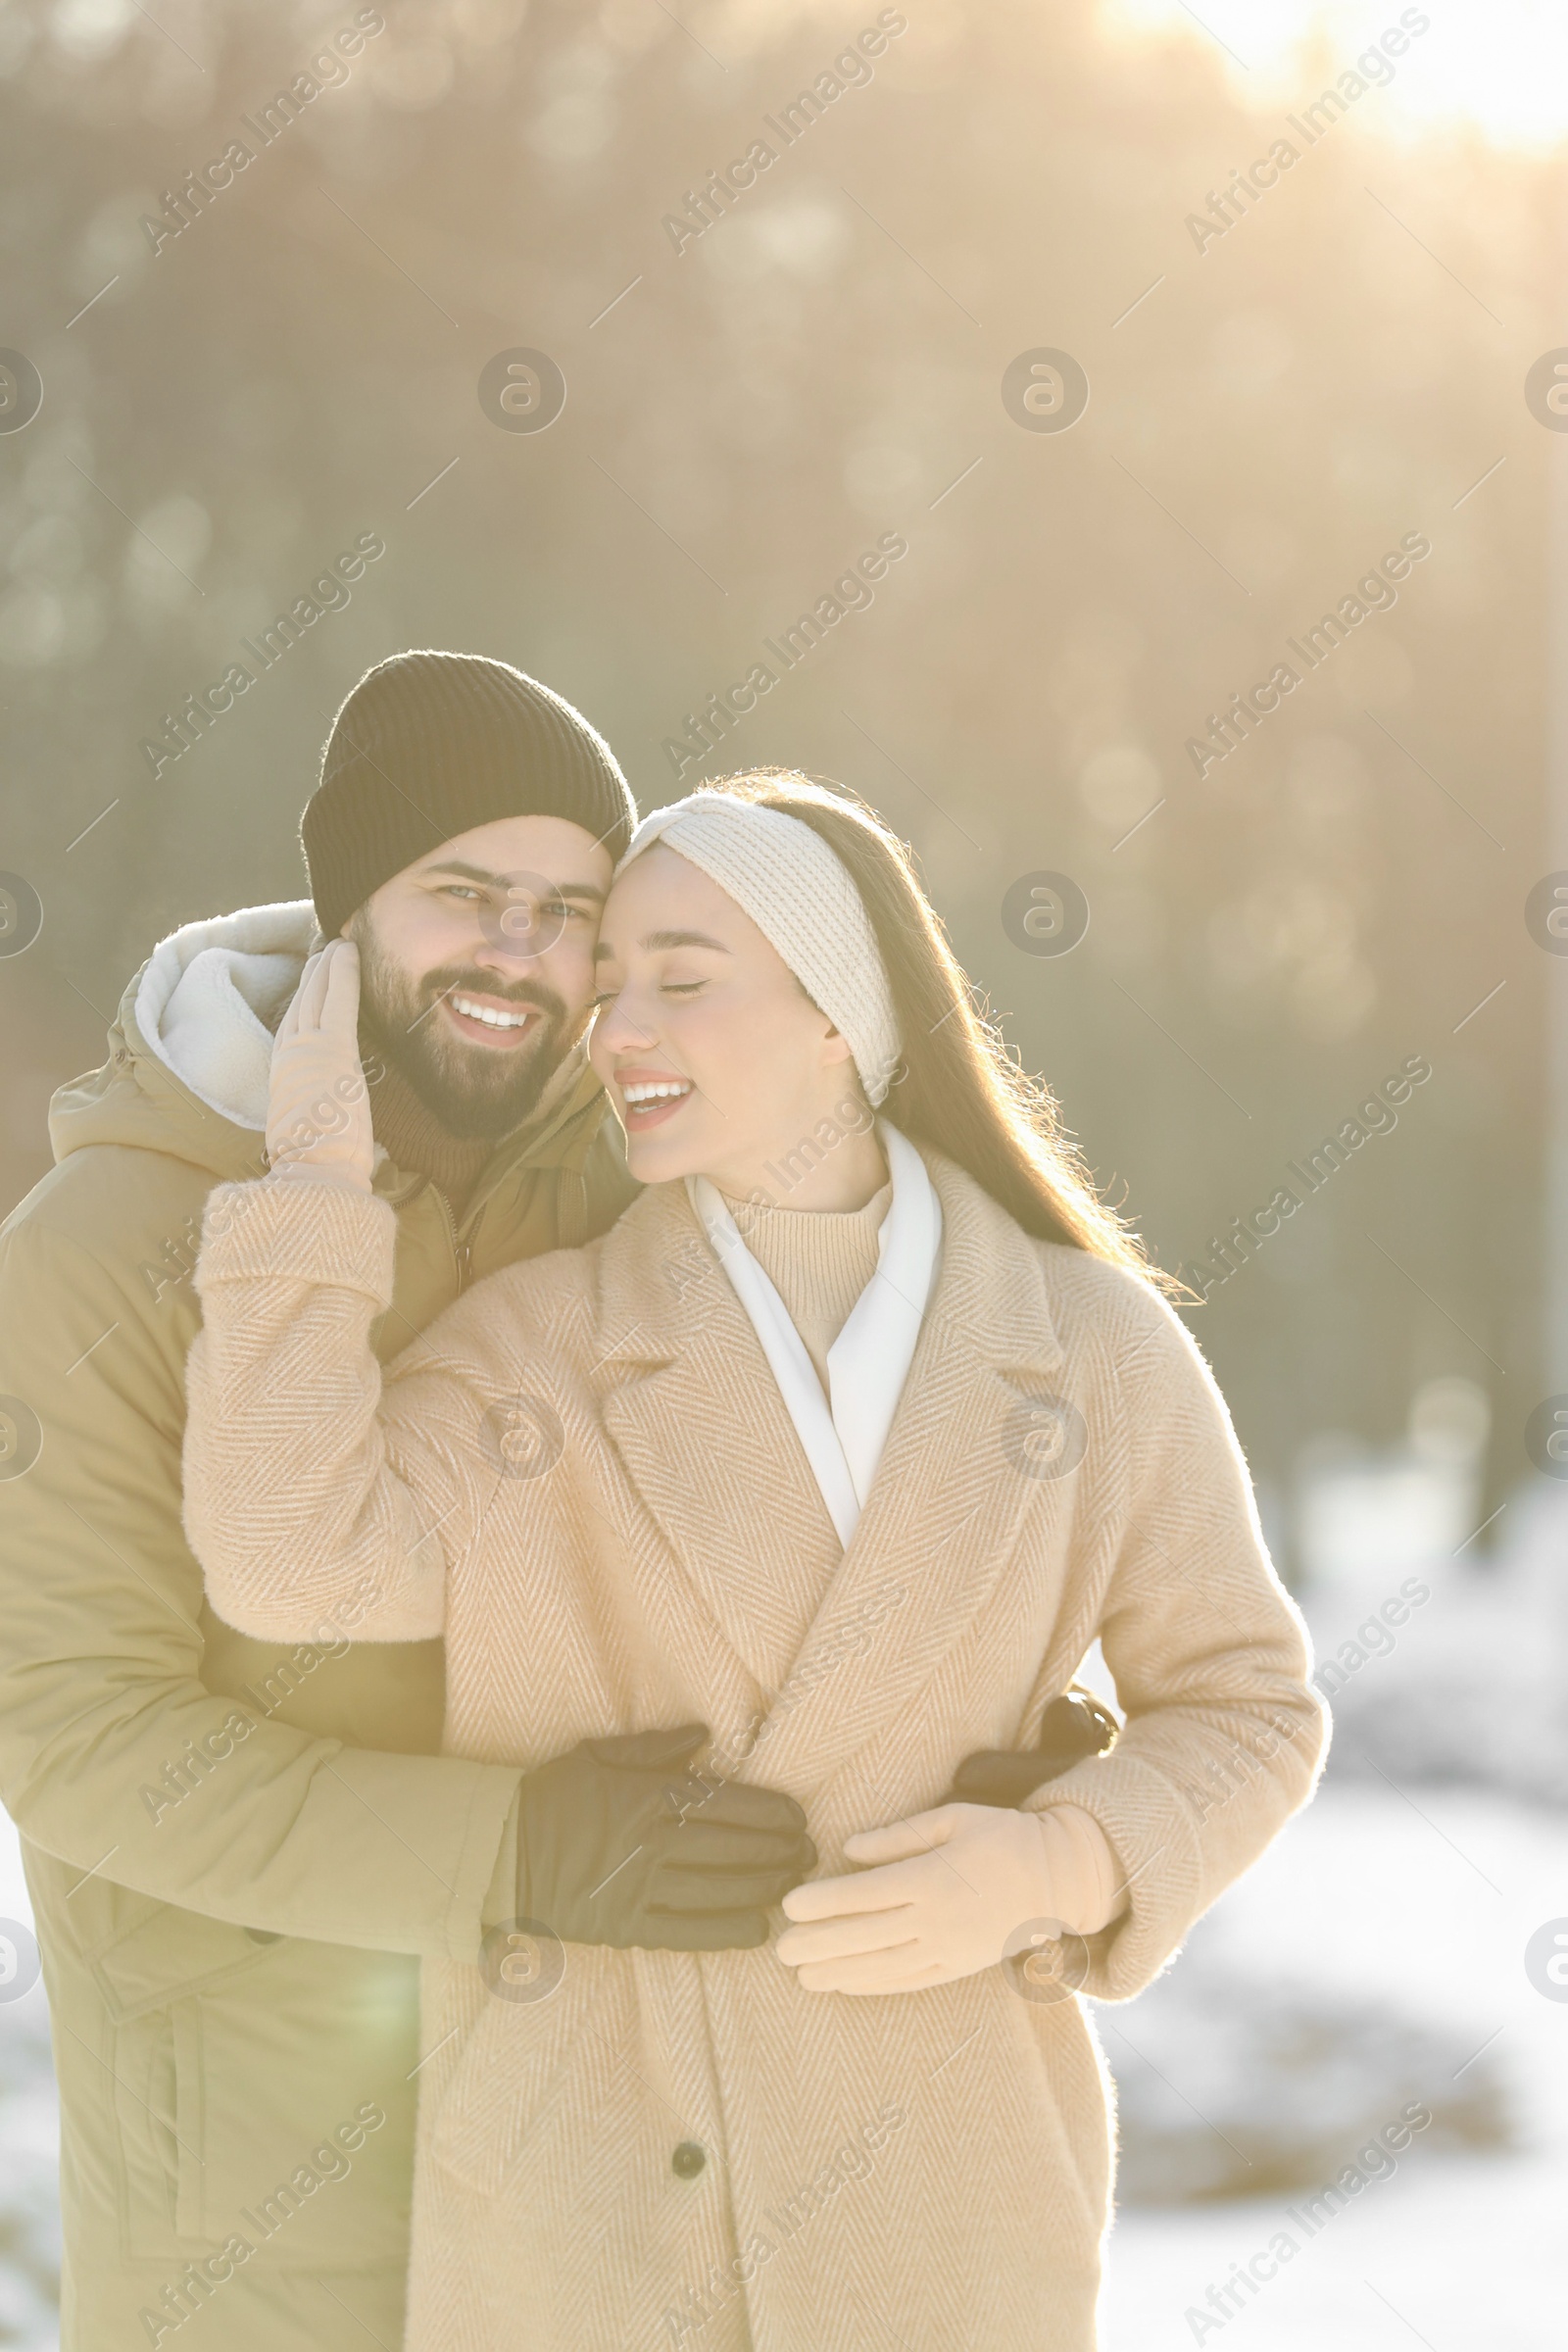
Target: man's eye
458,890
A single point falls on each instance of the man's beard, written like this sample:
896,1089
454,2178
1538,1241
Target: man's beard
475,1091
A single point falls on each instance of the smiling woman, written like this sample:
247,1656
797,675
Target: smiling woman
684,1002
846,952
942,1371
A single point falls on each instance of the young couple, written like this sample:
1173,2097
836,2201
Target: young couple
756,1520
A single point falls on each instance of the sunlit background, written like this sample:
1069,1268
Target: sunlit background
1276,398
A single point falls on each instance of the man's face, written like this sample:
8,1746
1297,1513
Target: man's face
476,967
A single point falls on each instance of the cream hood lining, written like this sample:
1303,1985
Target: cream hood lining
211,996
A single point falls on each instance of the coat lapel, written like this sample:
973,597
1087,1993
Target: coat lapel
694,1413
692,1408
960,1471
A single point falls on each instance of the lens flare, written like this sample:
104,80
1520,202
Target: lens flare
1502,72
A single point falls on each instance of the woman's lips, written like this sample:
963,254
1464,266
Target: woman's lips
659,1095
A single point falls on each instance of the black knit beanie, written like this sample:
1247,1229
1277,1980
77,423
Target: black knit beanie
428,745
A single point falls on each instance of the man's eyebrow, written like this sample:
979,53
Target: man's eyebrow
655,941
477,874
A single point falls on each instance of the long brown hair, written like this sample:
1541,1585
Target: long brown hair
957,1087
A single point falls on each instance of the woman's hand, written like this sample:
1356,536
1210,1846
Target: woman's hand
317,1104
954,1885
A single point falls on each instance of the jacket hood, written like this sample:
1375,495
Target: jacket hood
190,1049
190,1053
210,996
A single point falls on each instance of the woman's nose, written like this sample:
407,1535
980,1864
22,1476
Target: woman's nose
619,1028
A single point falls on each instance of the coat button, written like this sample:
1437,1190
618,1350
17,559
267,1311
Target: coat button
689,2159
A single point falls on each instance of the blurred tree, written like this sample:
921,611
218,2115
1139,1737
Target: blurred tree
747,411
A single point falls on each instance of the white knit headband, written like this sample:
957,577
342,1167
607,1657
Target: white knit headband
801,898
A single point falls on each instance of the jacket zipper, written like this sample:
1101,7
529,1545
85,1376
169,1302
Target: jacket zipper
461,1250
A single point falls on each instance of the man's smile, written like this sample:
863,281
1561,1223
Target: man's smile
495,1022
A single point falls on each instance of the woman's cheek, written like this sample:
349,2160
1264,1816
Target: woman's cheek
716,1049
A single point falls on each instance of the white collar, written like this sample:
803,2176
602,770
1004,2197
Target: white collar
869,1361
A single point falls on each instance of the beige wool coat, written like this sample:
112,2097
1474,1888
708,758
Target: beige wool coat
584,1474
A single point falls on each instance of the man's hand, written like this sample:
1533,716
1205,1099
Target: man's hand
1074,1726
318,1107
617,1843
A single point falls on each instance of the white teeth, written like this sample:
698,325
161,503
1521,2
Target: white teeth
659,1091
489,1015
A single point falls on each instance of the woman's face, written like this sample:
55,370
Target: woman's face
712,1053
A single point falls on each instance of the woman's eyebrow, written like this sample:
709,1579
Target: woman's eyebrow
659,940
656,940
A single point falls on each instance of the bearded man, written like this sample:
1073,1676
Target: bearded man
237,1854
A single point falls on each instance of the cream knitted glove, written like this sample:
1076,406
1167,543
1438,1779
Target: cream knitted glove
317,1104
951,1889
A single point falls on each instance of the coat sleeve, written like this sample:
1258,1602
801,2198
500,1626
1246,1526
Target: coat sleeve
312,1500
1224,1735
102,1653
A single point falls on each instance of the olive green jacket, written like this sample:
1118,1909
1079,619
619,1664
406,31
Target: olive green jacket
238,1851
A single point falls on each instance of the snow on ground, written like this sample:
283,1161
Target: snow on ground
30,2143
1421,1903
1464,2256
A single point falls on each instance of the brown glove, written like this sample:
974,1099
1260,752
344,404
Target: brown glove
617,1845
1074,1727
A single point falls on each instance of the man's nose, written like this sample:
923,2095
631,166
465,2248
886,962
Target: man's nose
513,934
507,961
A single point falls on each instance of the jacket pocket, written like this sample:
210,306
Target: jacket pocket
289,2089
157,2065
